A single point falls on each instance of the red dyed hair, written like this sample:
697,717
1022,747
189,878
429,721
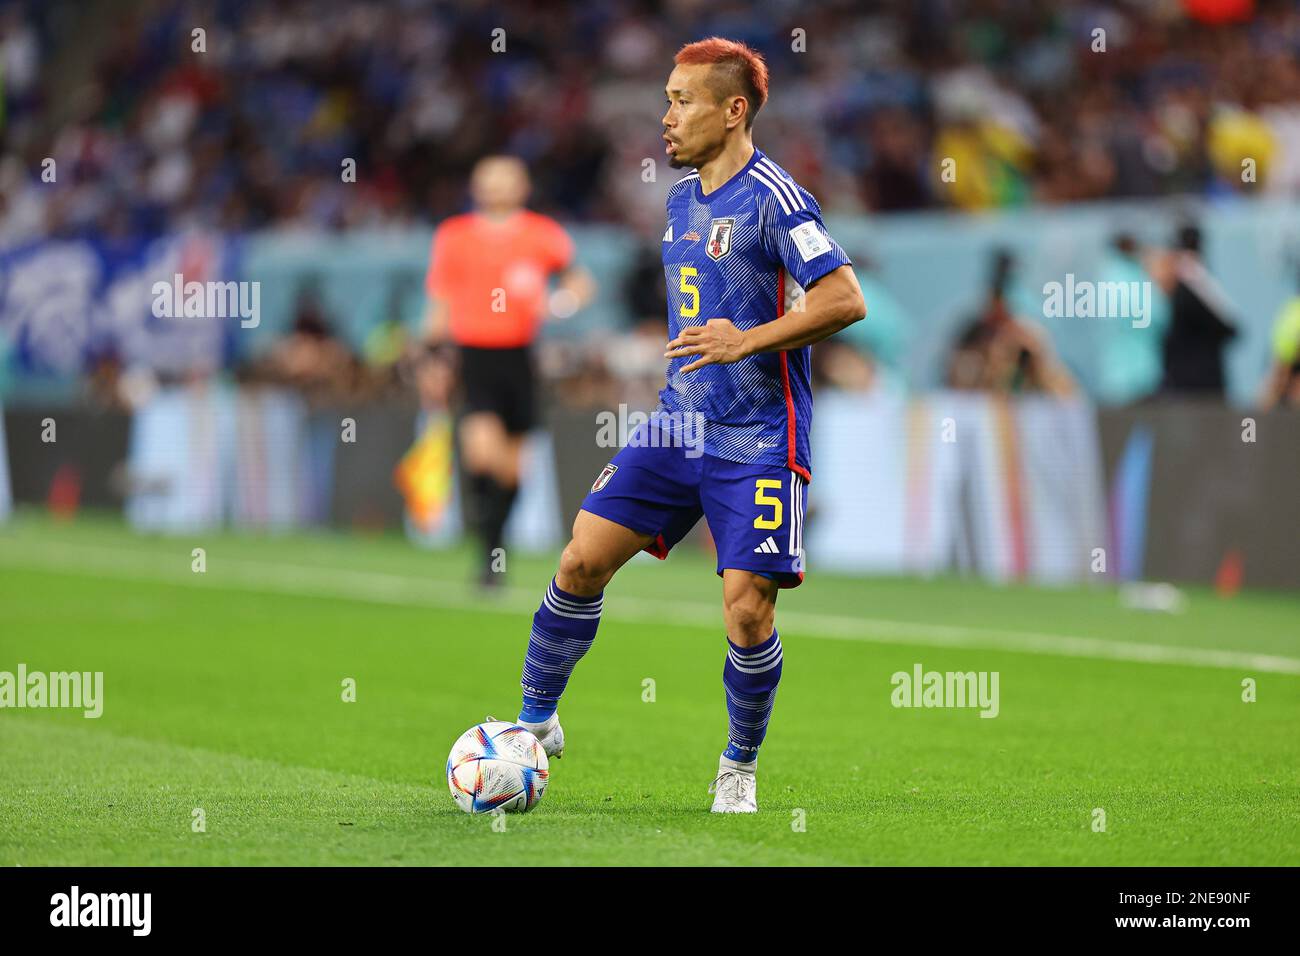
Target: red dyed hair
739,69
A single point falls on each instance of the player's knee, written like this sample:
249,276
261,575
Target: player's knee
749,617
482,441
582,572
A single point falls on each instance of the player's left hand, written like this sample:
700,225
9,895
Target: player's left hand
717,342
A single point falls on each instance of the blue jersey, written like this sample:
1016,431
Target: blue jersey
745,252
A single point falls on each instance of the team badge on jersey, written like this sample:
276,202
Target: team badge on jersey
603,478
719,243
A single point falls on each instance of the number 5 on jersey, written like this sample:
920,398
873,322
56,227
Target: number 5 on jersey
686,288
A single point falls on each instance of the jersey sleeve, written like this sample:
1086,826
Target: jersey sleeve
556,244
436,280
794,234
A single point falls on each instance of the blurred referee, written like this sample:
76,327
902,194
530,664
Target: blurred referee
489,290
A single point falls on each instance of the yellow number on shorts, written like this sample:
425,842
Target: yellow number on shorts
692,291
761,499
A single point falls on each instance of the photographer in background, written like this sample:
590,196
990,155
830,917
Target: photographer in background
1199,329
1000,352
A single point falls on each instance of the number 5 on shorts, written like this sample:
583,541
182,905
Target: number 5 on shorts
760,485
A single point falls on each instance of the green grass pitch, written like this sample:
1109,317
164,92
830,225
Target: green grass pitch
223,691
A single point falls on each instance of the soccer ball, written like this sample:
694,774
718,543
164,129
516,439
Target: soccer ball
497,766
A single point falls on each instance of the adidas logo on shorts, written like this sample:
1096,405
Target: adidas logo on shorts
767,547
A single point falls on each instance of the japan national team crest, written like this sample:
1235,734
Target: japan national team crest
603,478
719,243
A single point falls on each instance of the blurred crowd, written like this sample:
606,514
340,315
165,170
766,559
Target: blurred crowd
1178,349
250,124
163,115
999,347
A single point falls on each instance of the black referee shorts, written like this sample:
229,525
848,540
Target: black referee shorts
500,381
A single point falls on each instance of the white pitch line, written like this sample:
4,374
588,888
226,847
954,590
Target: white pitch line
385,588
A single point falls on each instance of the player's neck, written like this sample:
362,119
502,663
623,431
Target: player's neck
726,164
498,215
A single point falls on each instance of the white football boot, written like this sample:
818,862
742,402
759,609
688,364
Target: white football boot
735,789
549,734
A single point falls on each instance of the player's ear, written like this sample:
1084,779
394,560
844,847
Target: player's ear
736,111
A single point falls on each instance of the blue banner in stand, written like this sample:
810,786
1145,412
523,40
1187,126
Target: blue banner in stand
66,304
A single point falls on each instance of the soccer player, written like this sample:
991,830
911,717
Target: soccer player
753,280
487,286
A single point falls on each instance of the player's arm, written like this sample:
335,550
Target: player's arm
832,303
436,322
574,290
574,286
1044,370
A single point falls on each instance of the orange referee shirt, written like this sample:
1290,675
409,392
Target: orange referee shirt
493,275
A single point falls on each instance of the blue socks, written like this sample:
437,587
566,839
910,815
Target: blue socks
564,628
750,677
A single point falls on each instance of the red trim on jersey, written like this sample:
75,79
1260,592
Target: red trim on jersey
658,547
789,396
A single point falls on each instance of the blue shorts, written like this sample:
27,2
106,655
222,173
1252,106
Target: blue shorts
755,512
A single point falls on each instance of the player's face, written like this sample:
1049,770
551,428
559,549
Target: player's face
499,184
695,126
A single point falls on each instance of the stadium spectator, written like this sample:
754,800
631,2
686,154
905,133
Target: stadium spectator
1131,365
1282,386
895,179
253,131
1199,329
999,352
312,358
